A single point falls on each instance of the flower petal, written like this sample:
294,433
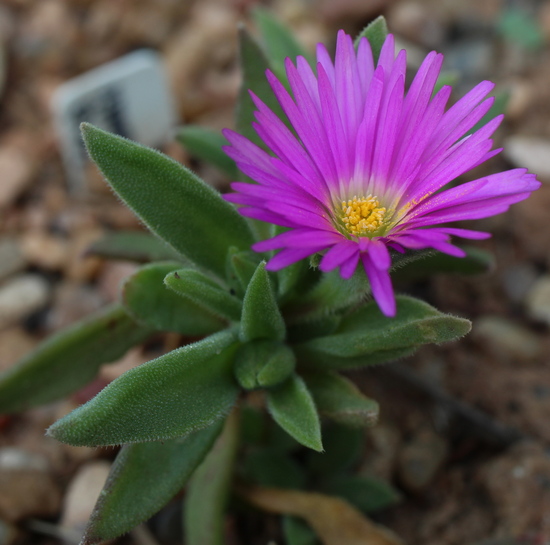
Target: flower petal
381,286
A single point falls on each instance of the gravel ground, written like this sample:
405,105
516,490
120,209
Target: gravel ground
464,431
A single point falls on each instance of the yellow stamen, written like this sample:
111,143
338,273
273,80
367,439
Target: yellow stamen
362,217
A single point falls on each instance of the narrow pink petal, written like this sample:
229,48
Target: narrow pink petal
305,120
348,267
338,255
365,64
310,81
385,137
338,141
465,154
381,286
268,217
387,53
347,85
323,58
299,238
458,112
495,186
289,256
430,238
243,150
366,134
380,255
465,233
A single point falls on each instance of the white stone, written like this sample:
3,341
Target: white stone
529,152
22,296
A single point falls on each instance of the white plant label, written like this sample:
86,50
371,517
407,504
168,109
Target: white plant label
128,96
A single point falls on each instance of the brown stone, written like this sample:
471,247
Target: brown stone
26,487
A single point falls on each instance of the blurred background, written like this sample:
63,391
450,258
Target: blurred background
464,433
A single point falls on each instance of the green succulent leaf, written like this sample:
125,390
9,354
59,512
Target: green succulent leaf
375,32
476,261
298,532
175,204
344,449
331,294
183,391
153,304
266,467
261,317
254,65
366,493
241,266
366,337
69,359
293,408
310,330
292,279
209,489
263,364
339,399
206,144
196,287
133,246
279,42
144,477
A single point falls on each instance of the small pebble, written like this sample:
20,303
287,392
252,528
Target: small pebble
22,296
538,300
529,152
26,486
11,258
421,458
518,279
82,495
506,338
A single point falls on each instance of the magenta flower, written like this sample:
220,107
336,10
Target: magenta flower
367,169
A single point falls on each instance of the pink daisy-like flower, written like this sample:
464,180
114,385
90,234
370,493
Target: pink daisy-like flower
365,173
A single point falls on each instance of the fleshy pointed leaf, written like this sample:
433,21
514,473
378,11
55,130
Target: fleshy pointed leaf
144,477
267,467
292,279
367,337
476,261
69,359
204,292
183,391
206,144
261,317
293,408
330,294
153,304
279,42
133,246
263,364
339,399
241,266
375,32
344,449
366,493
310,330
297,532
209,490
174,203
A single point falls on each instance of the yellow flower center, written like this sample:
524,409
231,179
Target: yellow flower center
364,216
